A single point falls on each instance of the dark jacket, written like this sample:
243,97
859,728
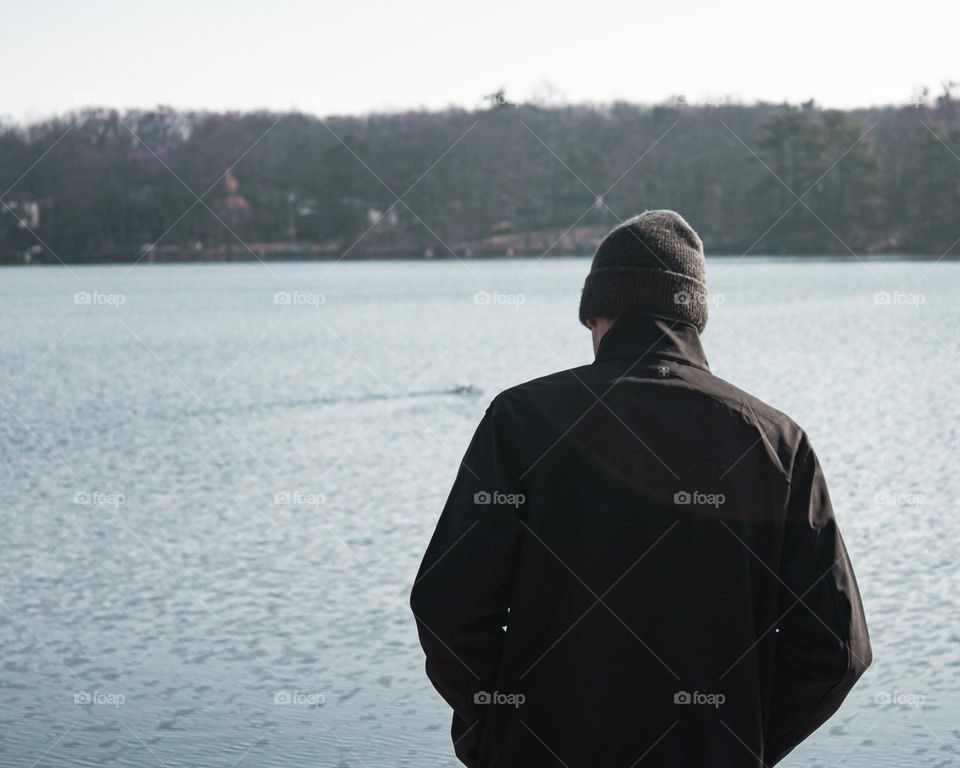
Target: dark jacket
638,565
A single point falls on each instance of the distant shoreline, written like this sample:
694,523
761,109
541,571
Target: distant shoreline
103,186
447,258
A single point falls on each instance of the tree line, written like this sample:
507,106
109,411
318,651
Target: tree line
104,185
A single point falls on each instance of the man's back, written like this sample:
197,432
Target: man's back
660,549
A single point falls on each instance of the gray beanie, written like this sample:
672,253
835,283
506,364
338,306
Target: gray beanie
650,264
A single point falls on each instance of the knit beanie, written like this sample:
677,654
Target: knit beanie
651,264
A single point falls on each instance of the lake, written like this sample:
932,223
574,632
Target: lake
218,480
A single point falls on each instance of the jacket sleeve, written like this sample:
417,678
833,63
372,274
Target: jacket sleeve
461,595
822,645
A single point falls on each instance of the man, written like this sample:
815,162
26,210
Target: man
638,564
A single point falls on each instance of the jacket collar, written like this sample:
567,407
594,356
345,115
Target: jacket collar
645,336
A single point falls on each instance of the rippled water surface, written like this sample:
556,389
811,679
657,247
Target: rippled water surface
214,499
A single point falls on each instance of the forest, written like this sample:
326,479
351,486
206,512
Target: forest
102,185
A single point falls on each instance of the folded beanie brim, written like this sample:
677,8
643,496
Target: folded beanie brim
621,291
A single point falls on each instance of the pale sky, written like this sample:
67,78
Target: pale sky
360,56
